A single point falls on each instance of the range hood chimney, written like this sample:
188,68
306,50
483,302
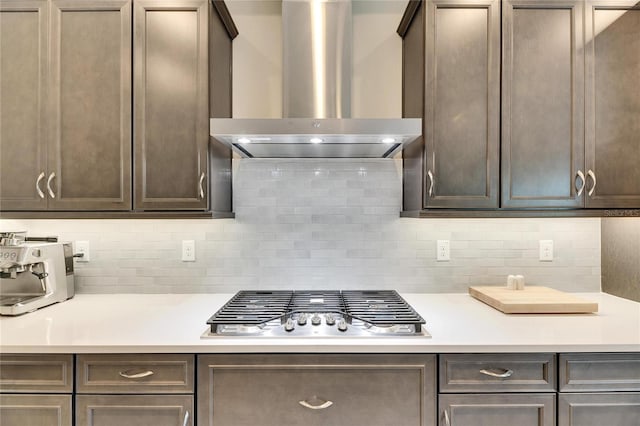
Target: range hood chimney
317,119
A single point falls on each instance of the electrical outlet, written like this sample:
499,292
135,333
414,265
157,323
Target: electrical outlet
443,251
546,250
82,247
188,251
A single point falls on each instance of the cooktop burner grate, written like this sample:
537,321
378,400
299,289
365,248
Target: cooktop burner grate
371,308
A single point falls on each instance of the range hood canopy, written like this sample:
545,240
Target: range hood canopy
317,96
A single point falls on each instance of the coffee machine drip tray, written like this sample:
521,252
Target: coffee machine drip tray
18,299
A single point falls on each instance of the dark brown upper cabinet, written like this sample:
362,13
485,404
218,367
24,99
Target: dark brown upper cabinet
612,99
542,103
89,159
171,106
70,71
451,78
66,128
23,137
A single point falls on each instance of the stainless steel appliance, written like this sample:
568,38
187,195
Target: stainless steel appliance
331,313
317,123
34,274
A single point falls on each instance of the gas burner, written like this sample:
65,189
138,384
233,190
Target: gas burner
308,313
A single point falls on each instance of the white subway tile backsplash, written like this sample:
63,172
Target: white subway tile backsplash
325,224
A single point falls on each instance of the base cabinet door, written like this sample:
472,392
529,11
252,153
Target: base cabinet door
138,410
497,410
597,409
316,390
35,410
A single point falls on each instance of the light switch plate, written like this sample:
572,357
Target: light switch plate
546,250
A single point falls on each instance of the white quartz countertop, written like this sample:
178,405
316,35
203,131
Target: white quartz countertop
173,323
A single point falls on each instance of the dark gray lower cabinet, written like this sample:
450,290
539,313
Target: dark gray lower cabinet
347,390
597,409
497,409
35,410
138,410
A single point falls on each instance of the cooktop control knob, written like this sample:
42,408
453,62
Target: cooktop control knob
330,319
302,319
342,325
315,319
289,325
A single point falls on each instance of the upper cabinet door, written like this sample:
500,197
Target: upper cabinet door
542,103
23,74
462,103
613,103
171,110
90,147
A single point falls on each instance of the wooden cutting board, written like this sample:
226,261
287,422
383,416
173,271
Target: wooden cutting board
532,300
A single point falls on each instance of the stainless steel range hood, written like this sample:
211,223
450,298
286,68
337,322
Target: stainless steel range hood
317,96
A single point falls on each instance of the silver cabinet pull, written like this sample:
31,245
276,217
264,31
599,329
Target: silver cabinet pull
431,182
185,422
129,374
51,193
592,176
200,187
582,180
40,177
321,406
446,418
501,373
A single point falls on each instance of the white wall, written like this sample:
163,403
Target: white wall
325,224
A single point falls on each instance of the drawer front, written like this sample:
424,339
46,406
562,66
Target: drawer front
497,410
134,374
138,410
35,410
497,373
597,409
599,372
36,373
300,390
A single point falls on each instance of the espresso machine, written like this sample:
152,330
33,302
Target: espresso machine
34,272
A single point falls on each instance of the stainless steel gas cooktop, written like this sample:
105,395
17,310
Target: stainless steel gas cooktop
310,313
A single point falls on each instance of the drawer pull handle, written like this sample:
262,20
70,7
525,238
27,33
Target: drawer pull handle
53,195
322,406
500,373
132,375
447,422
40,177
186,418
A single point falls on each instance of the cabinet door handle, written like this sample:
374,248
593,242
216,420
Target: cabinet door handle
322,406
51,193
40,177
200,187
582,180
185,422
501,373
447,422
593,177
131,374
431,182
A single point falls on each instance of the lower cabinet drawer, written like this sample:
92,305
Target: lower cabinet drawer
493,373
35,410
599,372
331,390
131,373
598,409
36,373
497,410
138,410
